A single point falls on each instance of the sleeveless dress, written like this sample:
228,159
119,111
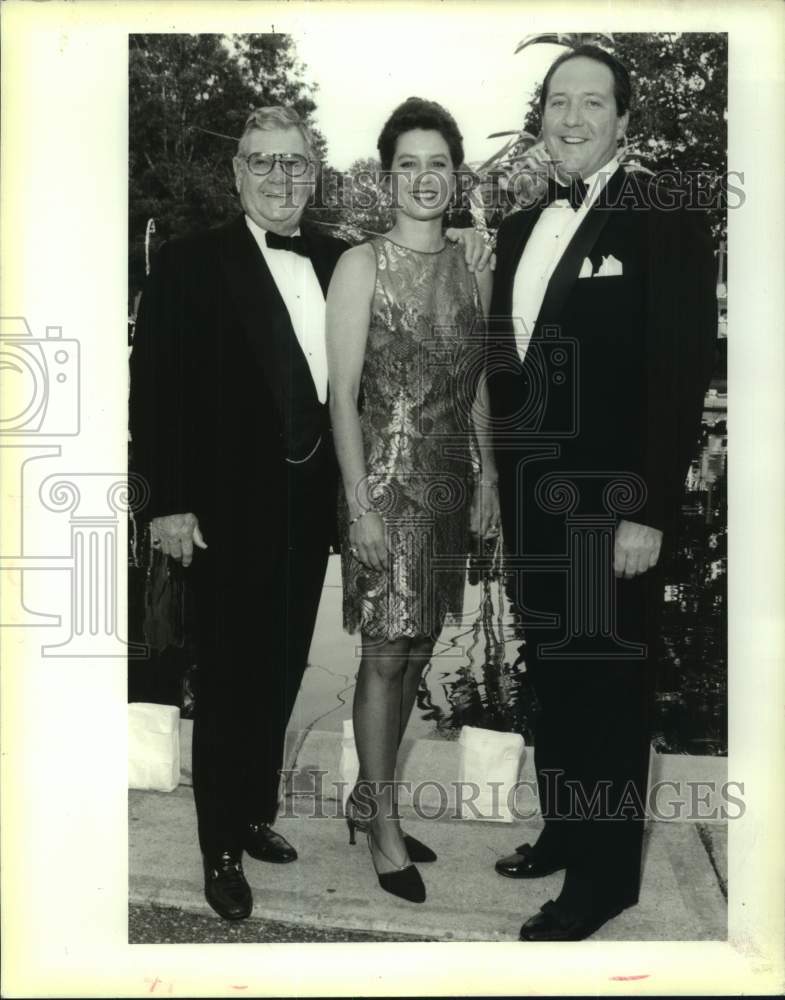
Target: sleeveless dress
423,354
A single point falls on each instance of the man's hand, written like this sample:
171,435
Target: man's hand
484,518
176,534
636,550
476,250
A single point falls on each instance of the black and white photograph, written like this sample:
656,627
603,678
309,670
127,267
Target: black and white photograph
390,567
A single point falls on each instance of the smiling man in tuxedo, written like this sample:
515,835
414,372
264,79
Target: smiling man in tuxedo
230,429
602,337
229,426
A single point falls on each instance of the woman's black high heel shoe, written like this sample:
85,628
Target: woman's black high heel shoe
354,822
418,852
405,882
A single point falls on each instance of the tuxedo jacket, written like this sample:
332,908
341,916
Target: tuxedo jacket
221,392
617,367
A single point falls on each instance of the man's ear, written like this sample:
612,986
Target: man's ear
237,167
621,126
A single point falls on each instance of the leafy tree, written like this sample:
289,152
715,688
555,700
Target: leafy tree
678,121
365,203
189,96
326,207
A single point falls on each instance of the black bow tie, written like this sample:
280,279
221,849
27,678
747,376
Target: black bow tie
295,244
575,193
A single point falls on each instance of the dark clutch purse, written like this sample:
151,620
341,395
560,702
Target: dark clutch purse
164,600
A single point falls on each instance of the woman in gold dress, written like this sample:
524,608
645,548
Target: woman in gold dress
404,348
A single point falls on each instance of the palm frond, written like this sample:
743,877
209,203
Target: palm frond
596,38
519,137
551,37
570,39
630,158
635,167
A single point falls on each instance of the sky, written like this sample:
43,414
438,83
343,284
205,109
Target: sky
466,62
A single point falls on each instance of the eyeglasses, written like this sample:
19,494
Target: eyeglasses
292,164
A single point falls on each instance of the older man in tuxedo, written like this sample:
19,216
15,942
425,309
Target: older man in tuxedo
602,337
229,426
230,429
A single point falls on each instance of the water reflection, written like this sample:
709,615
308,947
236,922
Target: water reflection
490,688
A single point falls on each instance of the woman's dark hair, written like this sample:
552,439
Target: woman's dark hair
417,113
622,88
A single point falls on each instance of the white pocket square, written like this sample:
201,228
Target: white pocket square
609,267
587,269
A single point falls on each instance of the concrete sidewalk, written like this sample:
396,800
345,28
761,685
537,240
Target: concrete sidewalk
334,884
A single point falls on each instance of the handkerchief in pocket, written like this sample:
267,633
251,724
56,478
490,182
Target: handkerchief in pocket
586,268
609,267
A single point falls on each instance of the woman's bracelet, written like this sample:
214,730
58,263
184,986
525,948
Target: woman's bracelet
354,520
488,482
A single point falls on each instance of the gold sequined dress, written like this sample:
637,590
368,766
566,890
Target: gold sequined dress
423,354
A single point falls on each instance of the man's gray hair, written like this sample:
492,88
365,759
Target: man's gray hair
265,119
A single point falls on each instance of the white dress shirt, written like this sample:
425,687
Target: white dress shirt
548,240
304,300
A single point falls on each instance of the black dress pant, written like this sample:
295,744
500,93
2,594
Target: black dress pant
595,693
591,746
257,590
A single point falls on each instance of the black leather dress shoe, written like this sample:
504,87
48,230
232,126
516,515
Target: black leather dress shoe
265,844
225,887
553,923
525,864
